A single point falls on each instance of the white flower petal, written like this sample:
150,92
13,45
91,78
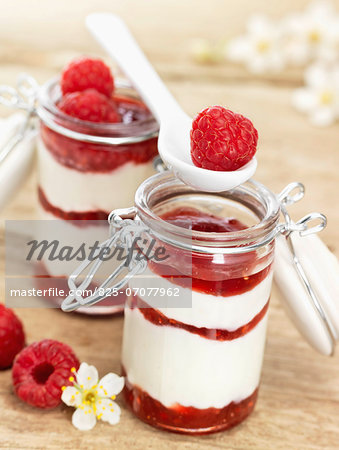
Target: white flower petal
320,9
293,23
296,52
87,376
202,50
333,30
276,62
110,384
322,117
257,64
257,23
109,411
335,78
71,396
84,419
237,49
327,53
304,99
316,76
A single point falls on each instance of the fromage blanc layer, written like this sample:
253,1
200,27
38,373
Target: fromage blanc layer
203,310
72,190
175,366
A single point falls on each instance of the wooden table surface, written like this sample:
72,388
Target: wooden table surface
298,404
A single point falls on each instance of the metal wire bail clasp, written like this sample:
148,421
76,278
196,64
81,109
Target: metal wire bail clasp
124,231
291,194
23,97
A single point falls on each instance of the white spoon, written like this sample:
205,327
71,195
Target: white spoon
174,136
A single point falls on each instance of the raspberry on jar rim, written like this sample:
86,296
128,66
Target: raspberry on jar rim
89,105
87,73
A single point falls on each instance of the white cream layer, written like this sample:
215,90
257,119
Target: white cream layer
68,234
72,190
175,366
204,310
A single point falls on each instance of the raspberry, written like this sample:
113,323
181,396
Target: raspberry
89,105
85,73
40,371
222,139
12,337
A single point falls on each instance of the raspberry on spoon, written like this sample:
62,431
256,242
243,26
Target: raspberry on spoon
40,371
89,105
87,73
222,140
12,337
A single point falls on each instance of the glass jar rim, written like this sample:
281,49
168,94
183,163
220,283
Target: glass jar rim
100,133
242,241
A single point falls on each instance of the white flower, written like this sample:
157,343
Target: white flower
311,34
259,48
204,52
320,97
93,399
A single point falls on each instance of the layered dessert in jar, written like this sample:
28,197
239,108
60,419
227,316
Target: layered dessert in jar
193,348
194,365
97,144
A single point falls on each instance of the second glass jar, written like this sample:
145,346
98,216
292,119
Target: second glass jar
86,169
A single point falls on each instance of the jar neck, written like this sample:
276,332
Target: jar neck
97,133
251,200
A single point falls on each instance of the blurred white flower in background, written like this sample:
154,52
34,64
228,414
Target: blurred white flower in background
204,52
259,49
311,34
320,97
307,37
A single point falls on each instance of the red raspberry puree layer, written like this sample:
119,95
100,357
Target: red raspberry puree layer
87,157
202,273
186,419
158,318
85,216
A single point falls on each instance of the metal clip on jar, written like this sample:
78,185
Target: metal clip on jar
193,363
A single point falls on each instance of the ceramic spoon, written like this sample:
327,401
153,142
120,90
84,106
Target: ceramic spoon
174,135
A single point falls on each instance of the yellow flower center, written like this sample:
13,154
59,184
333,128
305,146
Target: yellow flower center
326,97
314,36
263,46
90,398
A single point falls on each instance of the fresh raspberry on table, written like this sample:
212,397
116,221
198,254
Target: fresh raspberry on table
12,337
87,73
40,371
89,105
222,139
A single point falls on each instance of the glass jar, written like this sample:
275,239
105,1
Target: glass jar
193,364
86,169
199,272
